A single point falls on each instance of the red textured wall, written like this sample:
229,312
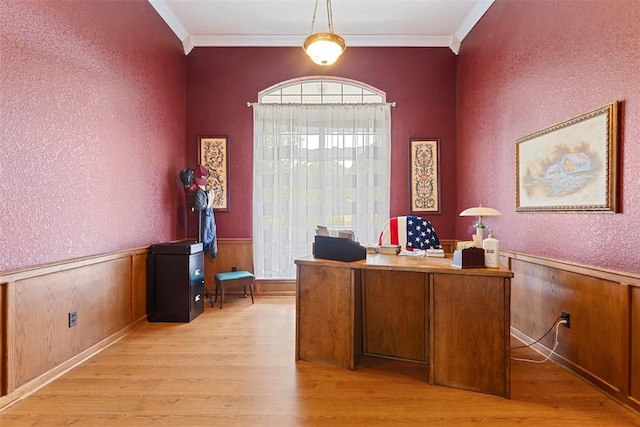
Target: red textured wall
420,80
526,66
92,132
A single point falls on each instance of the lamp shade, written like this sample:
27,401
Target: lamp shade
324,48
480,211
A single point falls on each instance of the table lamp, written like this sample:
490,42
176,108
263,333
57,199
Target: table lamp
480,211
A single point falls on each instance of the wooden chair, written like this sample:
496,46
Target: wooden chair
234,278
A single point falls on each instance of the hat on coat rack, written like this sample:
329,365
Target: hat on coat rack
186,176
201,174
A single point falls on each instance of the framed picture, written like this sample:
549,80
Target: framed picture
570,167
213,152
424,176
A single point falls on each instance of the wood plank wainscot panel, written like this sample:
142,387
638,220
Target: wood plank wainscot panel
3,337
106,292
139,288
635,345
599,319
238,252
232,252
100,295
603,343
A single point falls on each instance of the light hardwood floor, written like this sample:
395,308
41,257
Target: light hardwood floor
236,367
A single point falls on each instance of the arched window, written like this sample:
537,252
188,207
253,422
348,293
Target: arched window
321,90
321,157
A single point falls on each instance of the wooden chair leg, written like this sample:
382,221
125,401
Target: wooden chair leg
221,289
208,294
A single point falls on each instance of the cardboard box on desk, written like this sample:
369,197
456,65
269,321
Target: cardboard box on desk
469,258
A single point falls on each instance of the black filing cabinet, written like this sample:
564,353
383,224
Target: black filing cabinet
175,282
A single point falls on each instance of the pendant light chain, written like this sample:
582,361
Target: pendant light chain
313,21
329,16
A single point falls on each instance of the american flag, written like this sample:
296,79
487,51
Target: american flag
411,232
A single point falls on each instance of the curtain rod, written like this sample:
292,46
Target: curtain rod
251,104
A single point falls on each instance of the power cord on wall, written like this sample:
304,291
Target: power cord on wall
557,325
539,339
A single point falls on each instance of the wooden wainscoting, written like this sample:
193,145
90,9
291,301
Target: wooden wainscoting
107,292
634,388
603,342
238,252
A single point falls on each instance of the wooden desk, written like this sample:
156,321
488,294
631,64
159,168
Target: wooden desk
421,310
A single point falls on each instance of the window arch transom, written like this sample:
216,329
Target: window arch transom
321,90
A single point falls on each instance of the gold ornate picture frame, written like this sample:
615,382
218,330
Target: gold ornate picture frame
213,153
424,176
571,166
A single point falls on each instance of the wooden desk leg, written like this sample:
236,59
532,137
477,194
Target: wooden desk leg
325,318
470,345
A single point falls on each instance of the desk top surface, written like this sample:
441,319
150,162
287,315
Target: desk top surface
407,263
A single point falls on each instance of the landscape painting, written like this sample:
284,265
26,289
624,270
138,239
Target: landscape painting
570,166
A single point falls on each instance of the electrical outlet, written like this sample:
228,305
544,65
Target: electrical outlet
73,318
566,316
234,269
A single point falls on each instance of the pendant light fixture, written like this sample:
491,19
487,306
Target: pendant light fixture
324,48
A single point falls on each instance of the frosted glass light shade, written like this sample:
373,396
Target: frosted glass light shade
324,48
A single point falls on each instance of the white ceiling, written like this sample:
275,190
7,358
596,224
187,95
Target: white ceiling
423,23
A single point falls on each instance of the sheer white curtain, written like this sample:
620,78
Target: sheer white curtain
317,164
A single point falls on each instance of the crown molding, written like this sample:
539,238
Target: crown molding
297,40
397,40
453,42
167,14
187,45
471,19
